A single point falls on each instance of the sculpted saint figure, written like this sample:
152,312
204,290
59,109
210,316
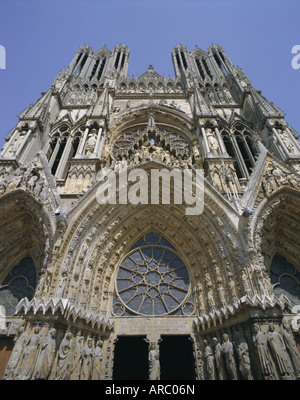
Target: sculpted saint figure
87,360
227,350
63,363
97,360
266,362
219,360
243,356
210,361
77,360
154,364
279,352
10,370
292,348
32,346
46,356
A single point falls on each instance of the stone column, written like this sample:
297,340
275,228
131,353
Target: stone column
25,140
64,159
220,140
98,140
280,142
83,140
10,141
205,140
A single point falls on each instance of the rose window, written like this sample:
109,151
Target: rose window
152,280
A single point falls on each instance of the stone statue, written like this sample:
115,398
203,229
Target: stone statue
90,143
63,363
212,142
77,360
219,360
97,360
46,356
87,360
154,364
11,367
32,346
279,352
210,361
266,362
243,357
292,348
227,350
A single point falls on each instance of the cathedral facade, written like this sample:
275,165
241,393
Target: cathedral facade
103,279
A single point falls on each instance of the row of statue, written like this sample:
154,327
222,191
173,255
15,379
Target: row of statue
39,357
275,177
277,354
29,178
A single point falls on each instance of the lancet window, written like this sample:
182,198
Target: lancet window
242,148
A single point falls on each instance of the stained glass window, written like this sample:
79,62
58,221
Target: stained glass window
285,279
19,282
152,280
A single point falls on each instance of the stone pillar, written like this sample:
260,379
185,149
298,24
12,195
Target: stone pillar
64,159
98,140
10,141
27,136
280,142
83,141
220,140
205,141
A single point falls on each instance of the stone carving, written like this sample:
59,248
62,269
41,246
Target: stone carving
11,367
31,349
264,356
154,363
212,141
292,348
97,361
77,360
46,356
242,350
219,360
279,352
210,361
64,358
91,142
227,351
86,369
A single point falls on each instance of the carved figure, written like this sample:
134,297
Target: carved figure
11,367
154,364
97,360
243,357
227,350
279,352
210,361
266,362
64,362
46,356
292,348
219,360
31,349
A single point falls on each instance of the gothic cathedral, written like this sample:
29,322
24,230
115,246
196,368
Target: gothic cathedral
101,281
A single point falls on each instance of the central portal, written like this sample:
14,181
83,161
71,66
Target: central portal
131,358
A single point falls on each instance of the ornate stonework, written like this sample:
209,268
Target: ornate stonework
77,275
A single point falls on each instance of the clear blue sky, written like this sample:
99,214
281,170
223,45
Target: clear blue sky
42,36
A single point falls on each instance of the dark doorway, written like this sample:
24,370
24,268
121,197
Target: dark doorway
176,358
131,358
6,346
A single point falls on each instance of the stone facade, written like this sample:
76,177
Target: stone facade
77,275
